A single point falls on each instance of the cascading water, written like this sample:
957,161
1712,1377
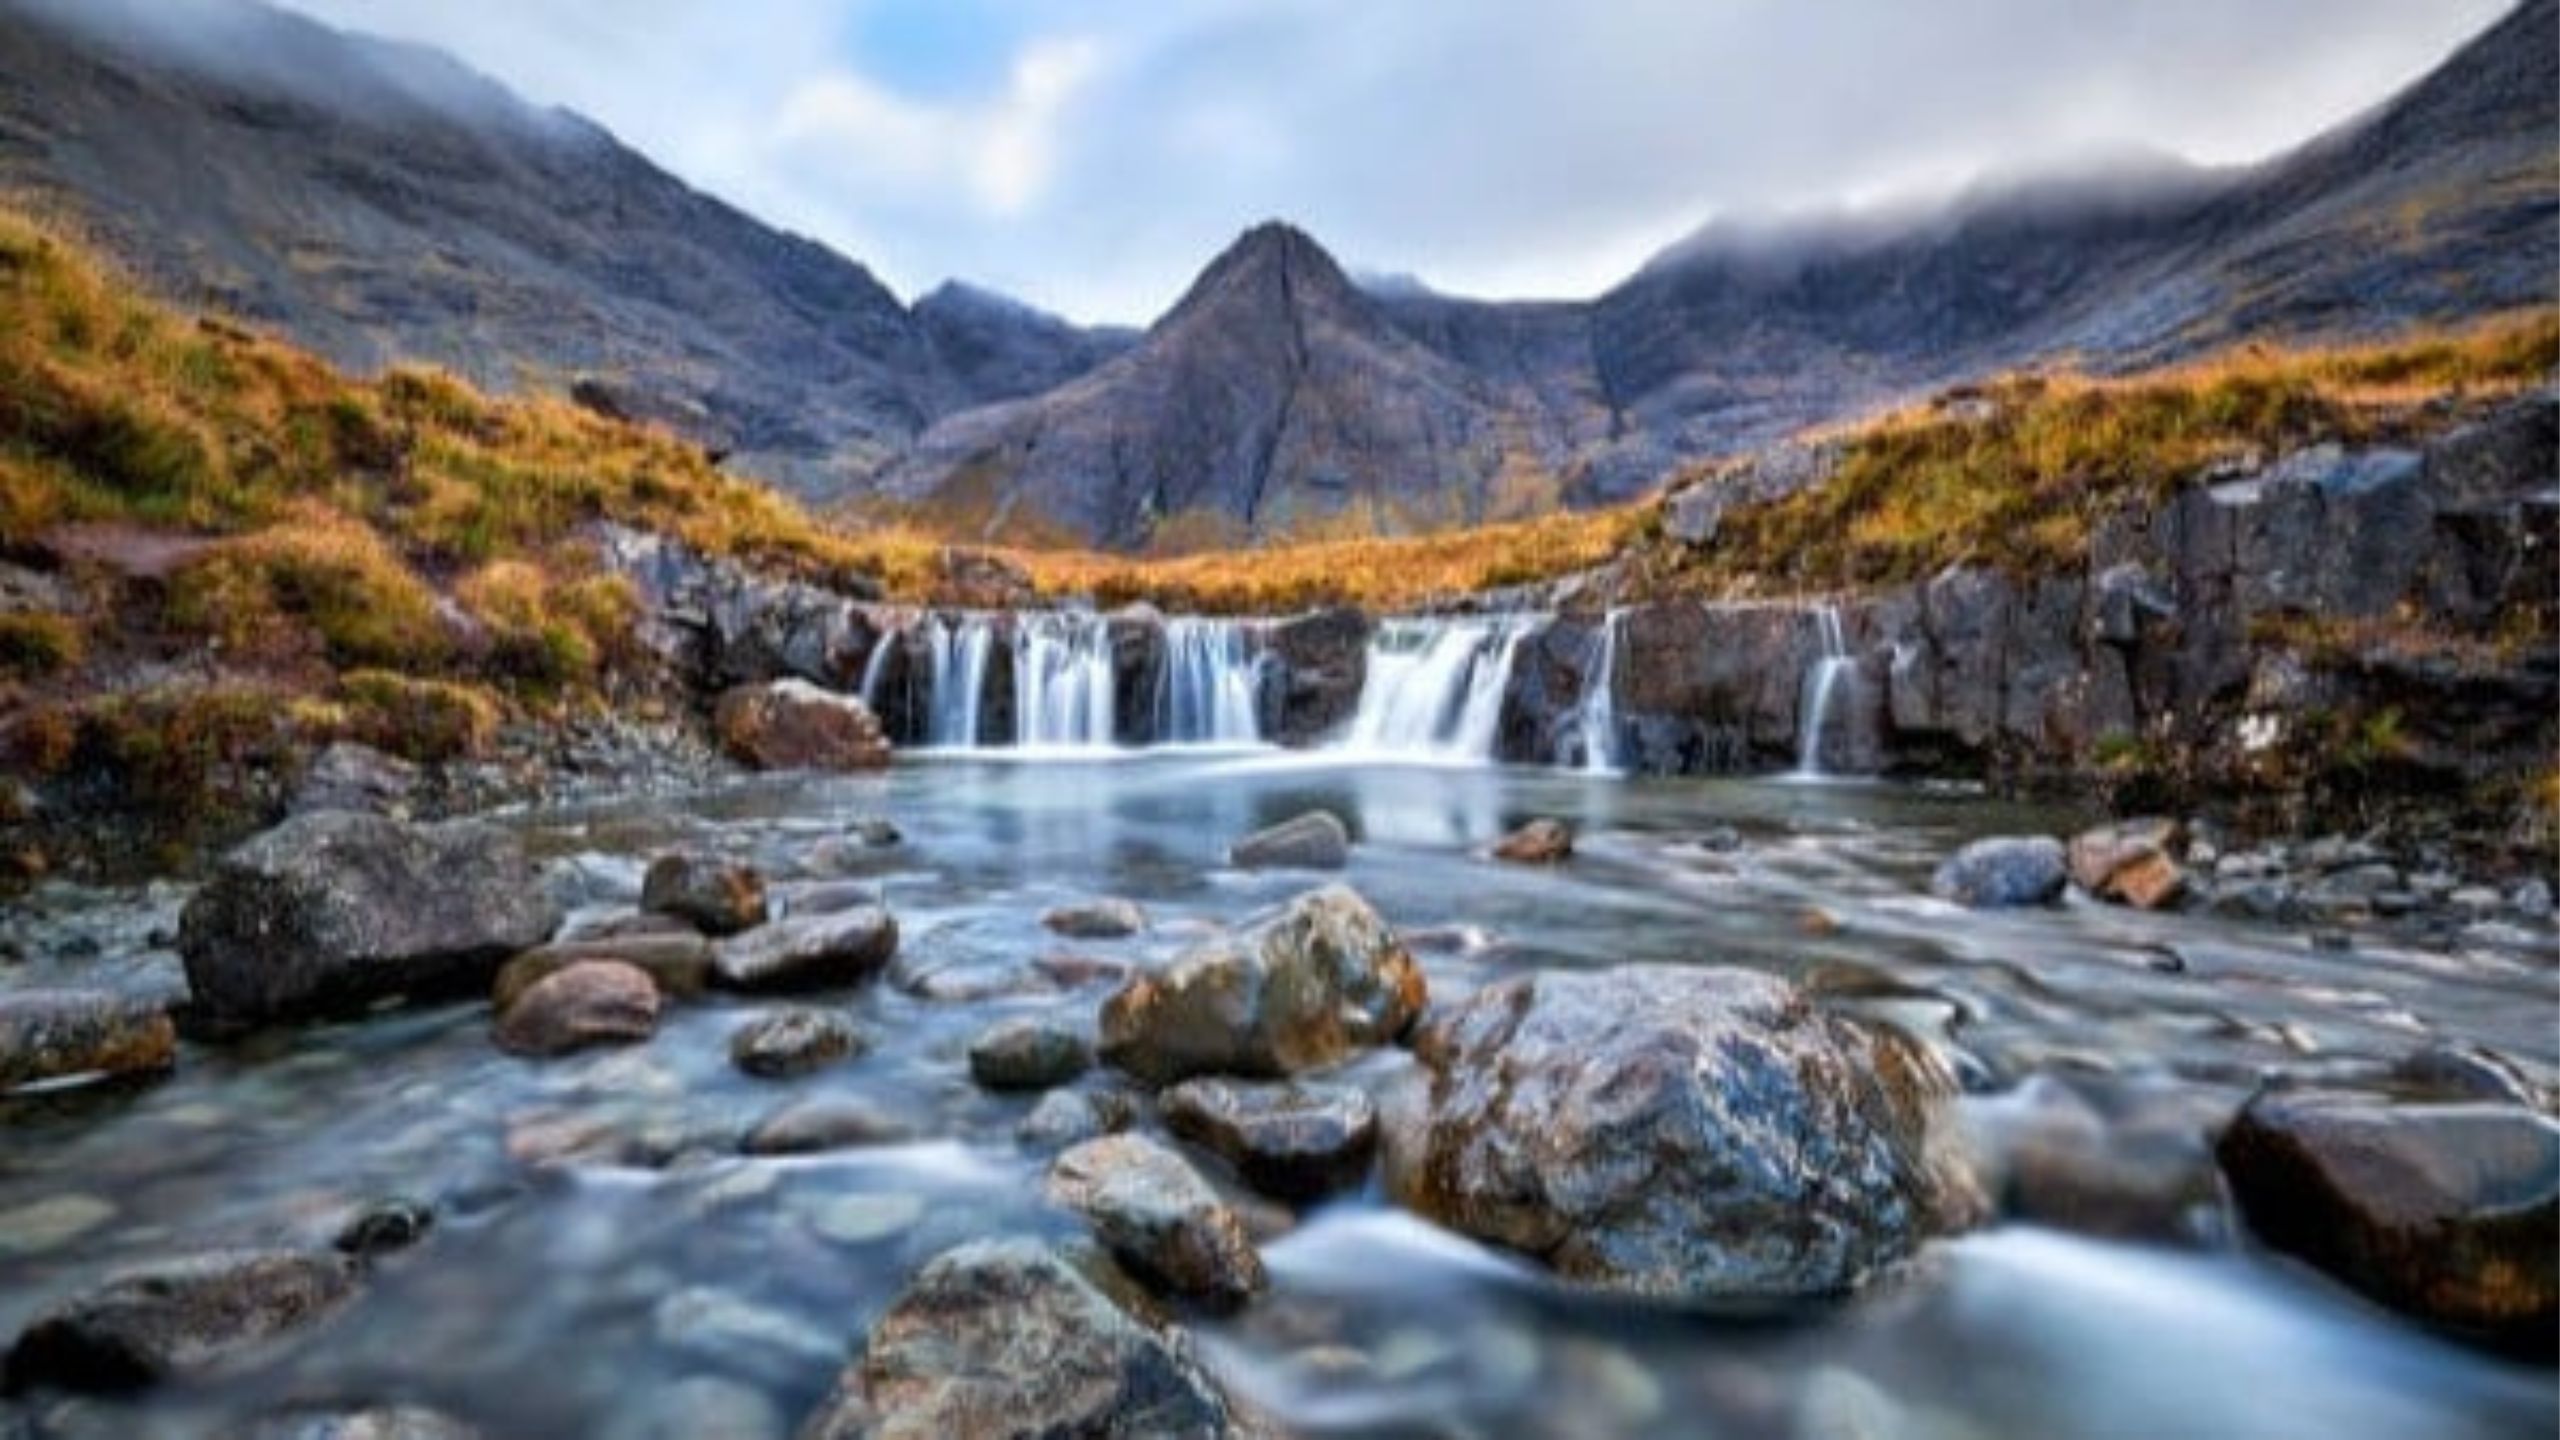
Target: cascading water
1205,691
1828,670
1597,714
1434,687
875,669
1062,680
958,652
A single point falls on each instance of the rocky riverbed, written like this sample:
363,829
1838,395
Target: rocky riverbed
1059,1091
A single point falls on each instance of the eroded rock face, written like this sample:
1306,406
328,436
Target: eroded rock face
1304,988
1294,1141
1003,1338
1156,1216
48,1034
149,1325
592,1002
794,725
2003,872
1696,1134
715,896
808,952
2448,1212
333,911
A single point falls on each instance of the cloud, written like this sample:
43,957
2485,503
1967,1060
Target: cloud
1092,155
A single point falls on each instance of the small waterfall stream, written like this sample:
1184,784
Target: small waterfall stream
957,652
1434,688
1062,681
1821,679
1597,713
1205,689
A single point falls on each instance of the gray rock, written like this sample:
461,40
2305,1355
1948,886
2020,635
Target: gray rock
1698,1134
1296,1141
715,896
808,952
333,911
1065,1117
783,1044
1002,1338
592,1002
1109,919
146,1326
1023,1053
51,1034
1156,1216
384,1226
1313,841
1309,986
2003,871
349,776
836,1122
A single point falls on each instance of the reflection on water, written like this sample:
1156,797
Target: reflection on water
608,1295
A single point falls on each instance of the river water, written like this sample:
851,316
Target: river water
666,1285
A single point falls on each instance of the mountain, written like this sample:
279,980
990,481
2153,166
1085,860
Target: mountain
379,202
994,347
1275,394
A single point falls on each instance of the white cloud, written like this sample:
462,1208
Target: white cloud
894,149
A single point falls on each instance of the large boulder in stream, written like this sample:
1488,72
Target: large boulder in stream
794,725
149,1325
2003,872
808,952
1694,1134
1302,988
2449,1212
1157,1217
334,911
1003,1338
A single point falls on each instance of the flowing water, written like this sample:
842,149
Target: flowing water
668,1273
1434,688
1830,667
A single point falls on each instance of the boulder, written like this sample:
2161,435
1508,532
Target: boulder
1699,1134
593,1002
2002,872
808,952
785,1044
2446,1212
1306,987
1313,841
146,1326
1156,1216
2130,862
1540,842
333,911
1028,1054
50,1034
1002,1338
715,896
1321,661
1064,1117
839,1122
679,963
1294,1141
1112,919
794,725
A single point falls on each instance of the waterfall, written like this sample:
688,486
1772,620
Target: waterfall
1205,689
959,651
1820,680
1597,714
1434,688
875,668
1062,679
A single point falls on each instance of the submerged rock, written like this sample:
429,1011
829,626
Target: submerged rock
841,1122
592,1002
333,911
2447,1212
715,896
678,963
2002,872
1028,1054
1292,1140
1699,1134
1316,840
146,1326
1309,986
50,1034
1002,1338
787,1043
808,952
1540,842
1155,1215
794,725
1110,919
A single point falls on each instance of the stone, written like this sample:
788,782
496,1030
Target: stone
2446,1212
52,1034
836,1122
1540,842
332,912
349,776
54,1221
1156,1216
1002,1338
1292,1140
2002,872
717,897
809,952
593,1002
1065,1117
384,1226
794,725
678,963
1110,919
1306,987
784,1044
146,1326
2132,862
1696,1134
1316,840
1028,1054
2532,900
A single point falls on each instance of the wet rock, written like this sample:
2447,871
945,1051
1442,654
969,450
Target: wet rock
387,1422
2447,1071
349,776
836,1122
384,1226
593,1002
2532,900
715,896
632,925
1155,1215
1700,1134
2131,863
2003,871
827,897
334,911
1316,840
783,1044
2447,1212
2052,1157
1304,988
1074,970
1540,842
794,725
50,1034
1111,919
1066,1117
56,1220
1003,1338
1024,1053
808,952
1323,659
146,1326
1296,1141
679,964
590,1138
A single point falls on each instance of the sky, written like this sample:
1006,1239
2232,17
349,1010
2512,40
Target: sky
1091,157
